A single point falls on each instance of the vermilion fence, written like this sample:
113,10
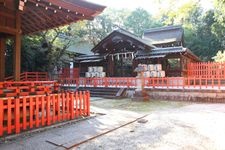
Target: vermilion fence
69,73
66,73
25,88
34,76
206,70
165,83
31,76
23,113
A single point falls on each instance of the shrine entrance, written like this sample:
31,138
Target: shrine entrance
123,66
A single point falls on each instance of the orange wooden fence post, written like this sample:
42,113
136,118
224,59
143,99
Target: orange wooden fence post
17,115
31,112
43,110
53,109
68,106
36,112
1,117
9,116
58,107
80,103
48,110
24,113
88,103
63,106
84,102
72,105
76,99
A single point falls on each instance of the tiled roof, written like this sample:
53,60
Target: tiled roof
163,35
162,52
123,35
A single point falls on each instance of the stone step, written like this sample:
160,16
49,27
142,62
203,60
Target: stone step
102,92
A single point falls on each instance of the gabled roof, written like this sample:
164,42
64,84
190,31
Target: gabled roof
121,39
81,47
163,35
39,15
163,52
90,58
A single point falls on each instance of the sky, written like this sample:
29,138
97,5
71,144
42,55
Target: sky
150,5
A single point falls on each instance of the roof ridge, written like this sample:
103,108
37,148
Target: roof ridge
124,30
157,29
167,48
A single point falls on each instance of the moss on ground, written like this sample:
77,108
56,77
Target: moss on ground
137,106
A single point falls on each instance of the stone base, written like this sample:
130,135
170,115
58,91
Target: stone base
141,96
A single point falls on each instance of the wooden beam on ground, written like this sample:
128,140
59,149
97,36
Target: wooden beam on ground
17,49
2,58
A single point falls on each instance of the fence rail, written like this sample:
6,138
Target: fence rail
164,83
34,76
23,113
206,70
25,88
31,76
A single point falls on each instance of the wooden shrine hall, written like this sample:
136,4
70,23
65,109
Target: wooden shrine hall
22,17
120,52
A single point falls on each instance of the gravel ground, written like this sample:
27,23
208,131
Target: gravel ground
170,126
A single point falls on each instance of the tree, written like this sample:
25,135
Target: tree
201,39
54,44
99,29
29,48
140,20
197,24
218,27
220,56
103,24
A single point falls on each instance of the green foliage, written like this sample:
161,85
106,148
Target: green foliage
204,33
201,39
140,20
218,27
199,28
220,56
103,24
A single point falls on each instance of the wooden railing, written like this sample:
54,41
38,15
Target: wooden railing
10,78
34,76
25,88
31,76
164,83
206,70
23,113
69,73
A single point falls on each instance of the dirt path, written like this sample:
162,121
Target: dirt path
190,127
169,126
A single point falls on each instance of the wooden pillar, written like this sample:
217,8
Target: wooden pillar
110,65
134,65
181,66
17,49
2,58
